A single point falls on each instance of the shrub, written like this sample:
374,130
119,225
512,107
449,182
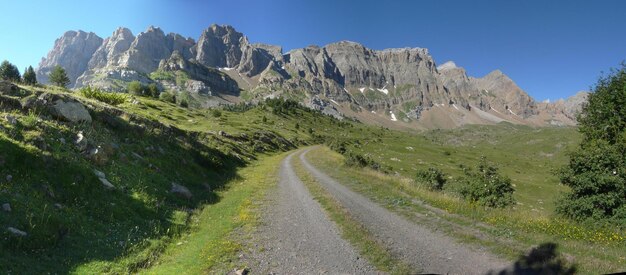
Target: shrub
167,97
596,172
135,88
216,113
153,90
183,99
102,96
486,186
432,178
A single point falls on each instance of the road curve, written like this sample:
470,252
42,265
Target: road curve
417,245
297,237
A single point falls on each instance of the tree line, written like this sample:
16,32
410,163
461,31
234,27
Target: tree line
9,72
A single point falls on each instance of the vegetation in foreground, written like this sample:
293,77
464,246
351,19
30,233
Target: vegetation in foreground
510,231
112,195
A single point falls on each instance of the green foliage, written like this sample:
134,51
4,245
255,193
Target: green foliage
433,178
30,78
58,77
139,89
167,97
282,106
604,116
102,96
135,88
216,113
596,172
486,186
183,99
153,90
9,72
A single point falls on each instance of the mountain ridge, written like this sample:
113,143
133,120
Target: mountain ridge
397,87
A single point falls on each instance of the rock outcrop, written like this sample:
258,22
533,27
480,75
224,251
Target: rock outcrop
72,51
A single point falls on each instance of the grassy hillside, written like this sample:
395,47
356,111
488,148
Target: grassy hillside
509,232
527,155
74,223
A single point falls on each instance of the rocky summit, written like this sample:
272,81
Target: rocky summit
398,88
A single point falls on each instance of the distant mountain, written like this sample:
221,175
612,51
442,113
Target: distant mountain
400,88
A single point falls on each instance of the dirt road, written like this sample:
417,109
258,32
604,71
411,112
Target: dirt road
298,238
427,251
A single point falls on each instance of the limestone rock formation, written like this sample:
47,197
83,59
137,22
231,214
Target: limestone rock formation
72,51
365,83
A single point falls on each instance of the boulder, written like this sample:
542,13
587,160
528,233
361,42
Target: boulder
17,232
72,111
11,119
181,191
106,183
99,174
6,207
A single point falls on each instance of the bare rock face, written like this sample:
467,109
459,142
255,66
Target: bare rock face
255,58
72,52
220,46
145,53
109,54
569,107
202,79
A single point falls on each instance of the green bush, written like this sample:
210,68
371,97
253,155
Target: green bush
135,88
433,178
167,97
183,99
596,172
486,186
102,96
216,113
153,90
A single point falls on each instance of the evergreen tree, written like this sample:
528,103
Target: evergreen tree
58,77
9,72
30,77
596,172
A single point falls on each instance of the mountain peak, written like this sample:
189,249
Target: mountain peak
447,66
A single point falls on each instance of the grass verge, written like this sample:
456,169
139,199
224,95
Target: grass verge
209,247
351,230
507,232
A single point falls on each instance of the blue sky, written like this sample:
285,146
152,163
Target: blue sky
551,49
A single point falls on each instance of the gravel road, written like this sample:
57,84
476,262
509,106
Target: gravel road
297,237
423,249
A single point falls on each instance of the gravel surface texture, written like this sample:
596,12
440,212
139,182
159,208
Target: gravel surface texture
423,249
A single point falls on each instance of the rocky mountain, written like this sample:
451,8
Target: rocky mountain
401,88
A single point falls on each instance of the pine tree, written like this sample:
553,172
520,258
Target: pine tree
9,72
58,77
30,77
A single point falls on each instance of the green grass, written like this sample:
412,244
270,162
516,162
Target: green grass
509,232
102,96
76,225
351,230
209,246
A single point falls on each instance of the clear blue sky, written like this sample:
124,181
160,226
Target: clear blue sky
551,49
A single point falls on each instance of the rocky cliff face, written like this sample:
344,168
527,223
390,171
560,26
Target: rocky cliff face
399,85
72,51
